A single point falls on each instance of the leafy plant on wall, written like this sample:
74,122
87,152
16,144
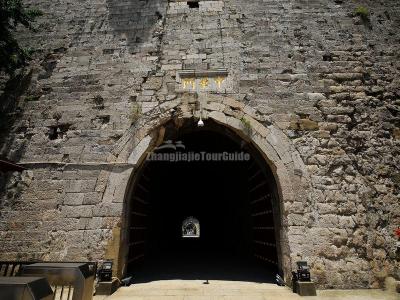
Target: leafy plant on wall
362,12
136,112
13,14
246,125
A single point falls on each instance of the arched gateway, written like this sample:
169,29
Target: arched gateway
240,203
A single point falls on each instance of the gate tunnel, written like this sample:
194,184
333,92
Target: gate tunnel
235,202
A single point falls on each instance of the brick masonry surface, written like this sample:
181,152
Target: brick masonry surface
324,76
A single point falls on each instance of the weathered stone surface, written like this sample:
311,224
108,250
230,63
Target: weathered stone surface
311,72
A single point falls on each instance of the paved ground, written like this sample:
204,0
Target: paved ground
232,290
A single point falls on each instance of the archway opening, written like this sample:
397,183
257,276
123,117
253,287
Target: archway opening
204,206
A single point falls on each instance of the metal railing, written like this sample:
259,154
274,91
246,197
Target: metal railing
62,290
12,268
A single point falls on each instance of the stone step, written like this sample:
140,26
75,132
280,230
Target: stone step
232,290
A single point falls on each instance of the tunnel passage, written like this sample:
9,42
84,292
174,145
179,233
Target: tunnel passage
235,203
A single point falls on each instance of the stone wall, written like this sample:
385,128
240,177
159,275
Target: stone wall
325,77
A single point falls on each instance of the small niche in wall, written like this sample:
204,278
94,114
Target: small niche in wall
193,4
59,131
53,133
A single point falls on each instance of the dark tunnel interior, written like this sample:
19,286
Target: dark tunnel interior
232,200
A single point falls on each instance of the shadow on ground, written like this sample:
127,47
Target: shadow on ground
202,266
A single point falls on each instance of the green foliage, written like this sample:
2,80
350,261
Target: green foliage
362,12
32,98
12,14
136,112
246,124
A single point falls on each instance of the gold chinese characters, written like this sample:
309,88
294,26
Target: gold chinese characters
203,83
219,80
190,82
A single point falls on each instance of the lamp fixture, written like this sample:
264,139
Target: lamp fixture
200,123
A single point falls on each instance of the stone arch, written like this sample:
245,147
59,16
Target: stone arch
291,176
